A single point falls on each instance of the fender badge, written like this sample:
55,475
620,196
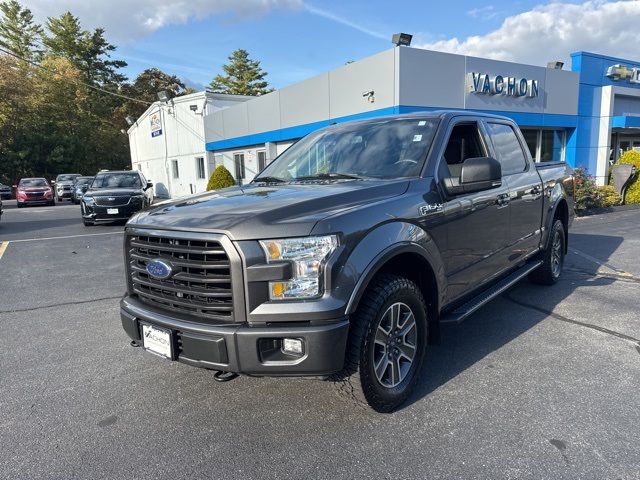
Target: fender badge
426,209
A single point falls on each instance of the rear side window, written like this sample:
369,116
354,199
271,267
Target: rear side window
508,148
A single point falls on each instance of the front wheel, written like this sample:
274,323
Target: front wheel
552,257
387,344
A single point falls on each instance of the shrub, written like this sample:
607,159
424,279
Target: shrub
586,192
608,196
220,178
631,157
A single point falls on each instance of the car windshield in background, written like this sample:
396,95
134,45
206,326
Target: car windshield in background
390,148
84,180
66,178
117,180
33,182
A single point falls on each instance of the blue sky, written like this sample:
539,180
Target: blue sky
296,44
296,39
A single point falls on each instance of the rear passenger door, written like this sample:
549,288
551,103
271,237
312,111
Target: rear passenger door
478,222
525,189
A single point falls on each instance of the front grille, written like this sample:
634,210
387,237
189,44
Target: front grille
117,201
35,194
200,285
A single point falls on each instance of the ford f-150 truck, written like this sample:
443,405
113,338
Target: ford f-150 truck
343,256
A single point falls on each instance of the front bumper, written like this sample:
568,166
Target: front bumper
34,201
241,348
96,213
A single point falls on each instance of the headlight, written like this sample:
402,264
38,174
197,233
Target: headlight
87,200
308,255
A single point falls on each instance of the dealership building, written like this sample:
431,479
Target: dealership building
586,115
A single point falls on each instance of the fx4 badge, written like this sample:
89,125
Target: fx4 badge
426,209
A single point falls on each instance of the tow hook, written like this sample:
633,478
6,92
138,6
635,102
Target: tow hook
222,376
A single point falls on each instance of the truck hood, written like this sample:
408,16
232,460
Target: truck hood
267,211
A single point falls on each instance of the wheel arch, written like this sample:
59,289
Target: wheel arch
413,262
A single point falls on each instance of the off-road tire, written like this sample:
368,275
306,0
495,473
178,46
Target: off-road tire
358,380
547,273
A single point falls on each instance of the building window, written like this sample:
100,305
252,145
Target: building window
262,160
545,145
238,160
174,169
552,146
200,167
531,137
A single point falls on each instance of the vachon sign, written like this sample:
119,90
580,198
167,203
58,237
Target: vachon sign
484,83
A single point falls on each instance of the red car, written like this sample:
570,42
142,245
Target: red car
34,191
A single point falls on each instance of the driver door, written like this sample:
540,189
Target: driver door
477,223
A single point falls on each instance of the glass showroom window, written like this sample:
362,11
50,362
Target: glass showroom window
552,146
545,145
531,137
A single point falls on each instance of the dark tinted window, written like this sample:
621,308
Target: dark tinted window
464,142
117,180
508,149
66,178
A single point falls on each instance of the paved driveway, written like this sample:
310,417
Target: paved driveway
542,383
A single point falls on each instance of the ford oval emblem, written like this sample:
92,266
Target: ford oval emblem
159,269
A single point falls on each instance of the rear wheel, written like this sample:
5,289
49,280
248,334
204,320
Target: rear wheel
387,343
552,257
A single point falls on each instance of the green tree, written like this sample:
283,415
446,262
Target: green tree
146,87
243,76
88,51
18,32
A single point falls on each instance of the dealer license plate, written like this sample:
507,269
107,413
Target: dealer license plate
157,340
112,211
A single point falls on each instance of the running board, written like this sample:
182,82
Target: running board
463,311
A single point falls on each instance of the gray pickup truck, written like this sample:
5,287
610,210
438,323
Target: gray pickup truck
343,256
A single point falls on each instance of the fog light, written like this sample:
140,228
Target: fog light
292,345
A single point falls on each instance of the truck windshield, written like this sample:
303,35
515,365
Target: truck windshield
66,178
117,180
386,148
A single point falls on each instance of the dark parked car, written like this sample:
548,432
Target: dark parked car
82,184
34,191
64,185
345,254
5,192
115,196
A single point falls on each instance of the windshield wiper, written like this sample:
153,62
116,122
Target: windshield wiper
269,180
331,175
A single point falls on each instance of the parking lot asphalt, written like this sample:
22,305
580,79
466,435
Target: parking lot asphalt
542,383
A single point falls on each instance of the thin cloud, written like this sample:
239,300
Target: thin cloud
553,31
484,13
127,20
344,21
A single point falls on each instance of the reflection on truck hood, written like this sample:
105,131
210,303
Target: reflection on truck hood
262,211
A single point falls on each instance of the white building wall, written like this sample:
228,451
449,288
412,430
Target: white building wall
182,139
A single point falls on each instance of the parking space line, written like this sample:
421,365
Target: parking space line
3,247
65,236
586,256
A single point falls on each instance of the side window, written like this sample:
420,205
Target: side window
508,148
238,159
464,142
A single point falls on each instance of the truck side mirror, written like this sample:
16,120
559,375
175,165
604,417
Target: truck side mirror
477,174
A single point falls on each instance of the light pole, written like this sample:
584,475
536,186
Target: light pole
165,98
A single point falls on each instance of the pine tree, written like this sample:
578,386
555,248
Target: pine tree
18,33
88,51
243,76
